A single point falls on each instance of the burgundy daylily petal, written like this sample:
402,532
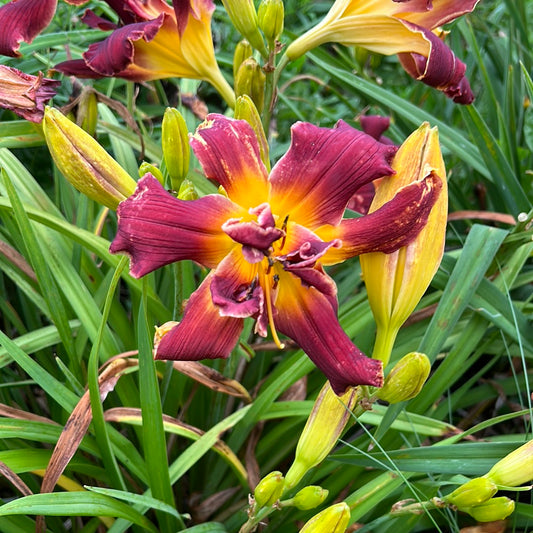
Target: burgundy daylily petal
257,235
98,23
306,316
229,154
441,69
376,126
390,227
25,94
23,20
433,14
362,199
78,68
323,168
202,333
113,55
236,292
156,229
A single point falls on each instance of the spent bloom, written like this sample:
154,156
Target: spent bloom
24,94
268,237
409,28
156,41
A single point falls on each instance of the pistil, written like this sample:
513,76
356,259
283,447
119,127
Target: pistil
268,299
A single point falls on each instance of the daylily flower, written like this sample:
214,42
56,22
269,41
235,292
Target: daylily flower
23,20
408,28
158,41
25,94
268,238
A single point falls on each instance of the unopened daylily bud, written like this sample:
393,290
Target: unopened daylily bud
243,16
146,168
309,497
270,15
269,489
175,142
88,111
491,510
323,428
473,492
395,282
84,163
243,51
187,191
333,519
514,469
245,109
250,80
406,379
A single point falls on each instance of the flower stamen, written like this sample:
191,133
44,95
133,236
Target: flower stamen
268,300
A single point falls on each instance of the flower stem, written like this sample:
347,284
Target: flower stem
385,338
272,77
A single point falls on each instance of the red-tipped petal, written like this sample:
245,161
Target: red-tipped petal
392,226
23,20
323,168
305,315
441,69
202,333
229,154
156,229
433,14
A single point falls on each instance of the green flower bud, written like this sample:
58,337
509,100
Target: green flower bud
187,191
250,80
270,16
269,489
333,519
146,168
84,163
88,111
324,426
514,469
176,150
243,51
474,492
492,510
309,497
244,17
246,110
406,379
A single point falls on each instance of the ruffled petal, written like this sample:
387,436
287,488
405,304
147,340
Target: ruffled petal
229,154
156,229
203,333
433,14
25,94
313,182
392,226
23,20
306,316
440,69
91,19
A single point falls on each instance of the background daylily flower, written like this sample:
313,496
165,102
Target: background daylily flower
157,41
268,239
25,94
23,20
403,27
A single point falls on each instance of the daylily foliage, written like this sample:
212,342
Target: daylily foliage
267,241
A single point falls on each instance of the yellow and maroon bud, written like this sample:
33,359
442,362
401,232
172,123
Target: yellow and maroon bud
175,142
146,168
472,493
243,51
406,379
269,489
245,109
243,16
85,164
324,426
515,468
491,510
309,497
250,80
396,282
333,519
270,15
